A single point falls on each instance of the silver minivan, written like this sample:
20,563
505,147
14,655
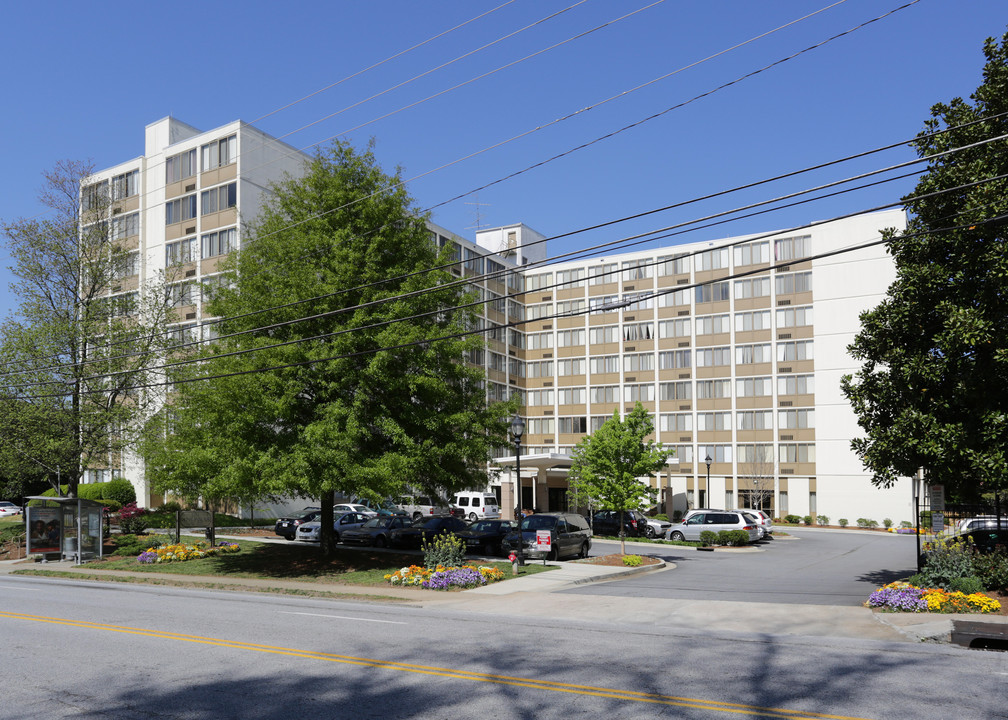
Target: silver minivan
696,521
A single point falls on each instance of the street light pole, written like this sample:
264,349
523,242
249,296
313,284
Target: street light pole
517,430
707,487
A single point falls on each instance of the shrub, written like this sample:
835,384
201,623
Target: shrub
119,490
887,522
945,561
632,560
992,570
906,524
792,519
444,549
132,520
822,520
708,538
133,545
172,506
873,523
862,522
843,522
925,518
807,519
966,585
738,537
661,516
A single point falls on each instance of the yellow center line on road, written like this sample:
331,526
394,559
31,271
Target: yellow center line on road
524,682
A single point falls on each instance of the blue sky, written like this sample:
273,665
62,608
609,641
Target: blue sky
81,81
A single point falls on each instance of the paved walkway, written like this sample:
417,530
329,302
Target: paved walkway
539,596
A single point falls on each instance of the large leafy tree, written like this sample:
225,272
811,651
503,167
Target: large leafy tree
932,389
84,336
607,466
350,375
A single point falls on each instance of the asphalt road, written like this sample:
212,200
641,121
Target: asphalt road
76,650
811,567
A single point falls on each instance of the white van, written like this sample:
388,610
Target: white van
477,505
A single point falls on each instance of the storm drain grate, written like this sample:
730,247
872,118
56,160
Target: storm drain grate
980,635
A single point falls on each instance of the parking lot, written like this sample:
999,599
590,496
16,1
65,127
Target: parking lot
809,566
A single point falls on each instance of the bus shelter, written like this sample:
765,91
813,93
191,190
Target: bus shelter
70,528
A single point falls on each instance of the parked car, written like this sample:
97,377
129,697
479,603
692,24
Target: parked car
424,529
607,522
477,505
312,531
420,506
696,521
569,535
985,540
375,531
385,507
764,521
287,526
657,528
486,536
355,507
9,509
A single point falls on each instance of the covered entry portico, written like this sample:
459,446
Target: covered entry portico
543,483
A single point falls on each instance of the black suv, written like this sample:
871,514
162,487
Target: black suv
607,522
569,535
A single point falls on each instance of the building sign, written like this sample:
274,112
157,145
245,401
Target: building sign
544,540
936,495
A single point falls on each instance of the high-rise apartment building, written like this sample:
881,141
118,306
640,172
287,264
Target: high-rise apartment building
735,347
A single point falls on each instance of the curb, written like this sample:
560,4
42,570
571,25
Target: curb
618,574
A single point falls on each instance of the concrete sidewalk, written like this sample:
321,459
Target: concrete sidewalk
539,597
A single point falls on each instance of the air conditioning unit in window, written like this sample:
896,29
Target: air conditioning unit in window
682,281
783,336
547,355
785,403
783,302
684,376
786,437
684,343
190,188
683,313
190,316
190,273
684,407
787,471
190,229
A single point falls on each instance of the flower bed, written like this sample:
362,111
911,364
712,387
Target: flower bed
181,552
445,578
904,597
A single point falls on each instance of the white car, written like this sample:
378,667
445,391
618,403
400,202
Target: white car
355,507
312,531
9,509
763,520
657,528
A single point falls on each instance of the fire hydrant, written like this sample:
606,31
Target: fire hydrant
514,563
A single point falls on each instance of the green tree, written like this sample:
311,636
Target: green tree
608,464
85,333
932,389
370,392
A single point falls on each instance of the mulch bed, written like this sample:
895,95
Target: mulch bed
616,560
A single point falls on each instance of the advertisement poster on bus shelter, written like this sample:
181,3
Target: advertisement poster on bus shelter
43,530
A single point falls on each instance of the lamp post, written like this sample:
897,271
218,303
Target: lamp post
707,486
517,430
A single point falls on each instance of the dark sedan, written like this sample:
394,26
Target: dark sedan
607,522
375,531
425,529
485,536
287,526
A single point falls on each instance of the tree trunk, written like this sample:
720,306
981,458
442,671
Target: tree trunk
327,540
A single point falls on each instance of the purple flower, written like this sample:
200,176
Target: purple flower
899,599
454,577
147,557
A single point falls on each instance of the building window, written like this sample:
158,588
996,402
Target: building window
570,338
181,166
604,364
713,357
712,292
793,248
571,307
539,369
794,317
754,387
642,392
537,398
792,351
535,312
674,298
796,419
602,335
180,251
637,270
638,331
713,325
794,283
219,198
125,226
603,303
602,274
796,452
637,362
712,259
710,421
95,196
220,153
571,396
572,424
540,426
674,328
754,253
129,264
685,455
796,385
752,288
674,265
601,394
681,390
674,359
717,453
598,421
180,209
752,354
638,301
570,366
516,368
182,294
539,341
536,282
675,422
749,321
125,185
220,242
570,278
712,389
754,420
